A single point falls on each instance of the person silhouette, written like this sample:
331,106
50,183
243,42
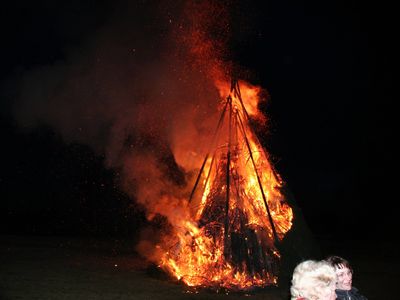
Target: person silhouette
344,282
313,280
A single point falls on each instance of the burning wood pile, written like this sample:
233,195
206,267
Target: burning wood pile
238,215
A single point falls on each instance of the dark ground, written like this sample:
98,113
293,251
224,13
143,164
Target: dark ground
76,268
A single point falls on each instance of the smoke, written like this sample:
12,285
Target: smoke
140,91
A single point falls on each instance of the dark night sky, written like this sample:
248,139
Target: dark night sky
328,67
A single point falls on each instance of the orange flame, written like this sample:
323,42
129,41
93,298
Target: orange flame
198,251
225,233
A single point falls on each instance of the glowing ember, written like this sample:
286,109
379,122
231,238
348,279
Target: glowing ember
237,212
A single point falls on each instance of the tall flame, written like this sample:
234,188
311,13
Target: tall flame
225,232
237,212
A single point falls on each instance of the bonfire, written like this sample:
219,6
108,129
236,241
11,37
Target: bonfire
237,213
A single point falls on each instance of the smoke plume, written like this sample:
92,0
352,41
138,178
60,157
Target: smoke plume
141,91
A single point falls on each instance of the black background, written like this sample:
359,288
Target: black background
328,67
